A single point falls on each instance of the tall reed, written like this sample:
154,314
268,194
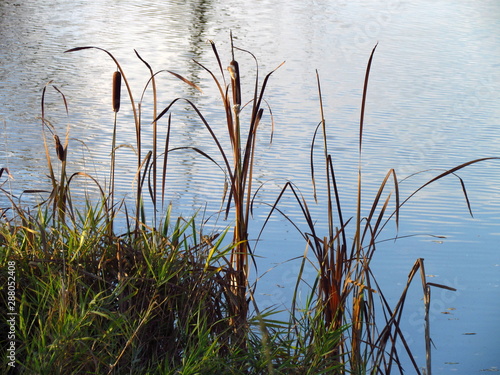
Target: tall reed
59,193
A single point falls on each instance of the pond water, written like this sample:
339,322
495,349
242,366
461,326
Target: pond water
433,103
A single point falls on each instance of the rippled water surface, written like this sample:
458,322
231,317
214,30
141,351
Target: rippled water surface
433,103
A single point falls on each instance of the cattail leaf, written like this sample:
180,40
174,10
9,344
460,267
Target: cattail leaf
216,53
35,191
208,127
86,175
465,195
185,80
6,170
165,159
337,199
363,101
442,286
272,122
144,61
129,90
448,172
79,49
63,97
263,87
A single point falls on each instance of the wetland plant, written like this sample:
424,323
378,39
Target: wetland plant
169,298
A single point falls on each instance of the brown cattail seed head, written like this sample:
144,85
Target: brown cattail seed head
61,153
234,72
117,83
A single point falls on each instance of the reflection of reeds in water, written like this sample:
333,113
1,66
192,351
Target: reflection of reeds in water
166,298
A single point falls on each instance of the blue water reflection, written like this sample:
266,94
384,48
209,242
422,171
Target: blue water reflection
432,103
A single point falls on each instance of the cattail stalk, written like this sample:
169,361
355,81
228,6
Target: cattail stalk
117,82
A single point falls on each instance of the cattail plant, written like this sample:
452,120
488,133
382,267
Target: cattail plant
59,194
240,175
116,96
346,287
148,161
118,76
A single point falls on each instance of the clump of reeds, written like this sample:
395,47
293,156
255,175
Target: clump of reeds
239,162
146,163
88,305
239,170
347,291
152,303
168,298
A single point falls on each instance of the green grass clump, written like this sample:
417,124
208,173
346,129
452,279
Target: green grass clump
93,304
148,303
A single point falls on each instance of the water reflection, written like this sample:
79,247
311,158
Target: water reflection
433,103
